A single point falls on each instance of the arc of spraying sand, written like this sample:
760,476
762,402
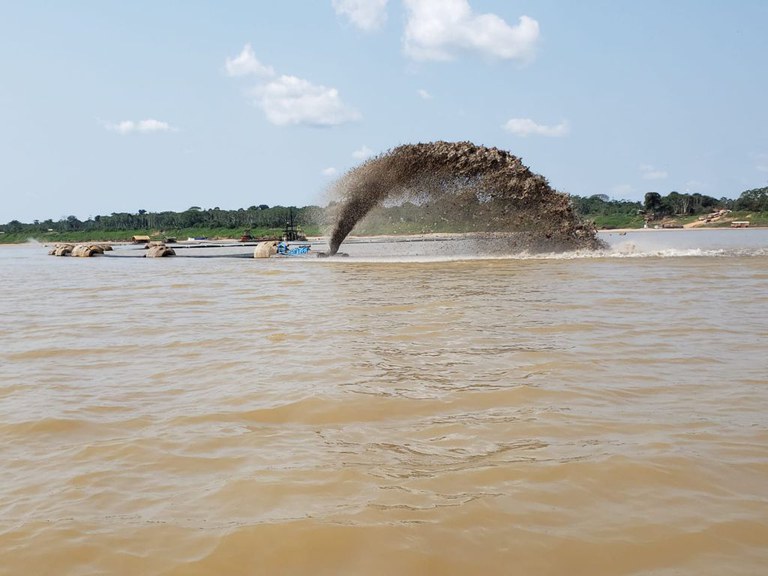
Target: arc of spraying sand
434,170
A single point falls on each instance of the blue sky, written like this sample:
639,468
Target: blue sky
110,106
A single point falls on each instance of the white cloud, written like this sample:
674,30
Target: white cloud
289,100
437,28
330,171
362,153
424,94
652,173
762,162
246,63
527,127
365,14
142,126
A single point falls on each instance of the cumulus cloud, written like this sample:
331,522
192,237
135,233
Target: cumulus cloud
652,173
364,14
288,100
362,153
527,127
142,126
424,94
436,29
246,63
330,171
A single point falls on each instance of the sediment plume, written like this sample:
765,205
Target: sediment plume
478,189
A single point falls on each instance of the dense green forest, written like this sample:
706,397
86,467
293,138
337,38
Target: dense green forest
263,220
260,220
607,213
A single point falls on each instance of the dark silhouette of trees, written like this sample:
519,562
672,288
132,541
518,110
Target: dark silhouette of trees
755,200
652,203
194,217
262,216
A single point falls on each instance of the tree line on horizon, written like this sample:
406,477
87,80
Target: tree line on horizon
262,216
254,217
655,206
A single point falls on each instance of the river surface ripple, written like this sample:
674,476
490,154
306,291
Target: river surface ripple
385,415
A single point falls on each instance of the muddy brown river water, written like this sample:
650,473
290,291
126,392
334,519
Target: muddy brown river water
411,409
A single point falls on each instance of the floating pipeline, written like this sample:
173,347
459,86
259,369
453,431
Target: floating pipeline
159,250
486,190
79,250
153,250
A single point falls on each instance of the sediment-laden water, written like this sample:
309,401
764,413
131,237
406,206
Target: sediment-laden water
411,409
477,188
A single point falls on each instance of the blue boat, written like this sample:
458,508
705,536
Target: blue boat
285,249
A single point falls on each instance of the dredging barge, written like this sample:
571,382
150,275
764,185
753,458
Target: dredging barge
292,244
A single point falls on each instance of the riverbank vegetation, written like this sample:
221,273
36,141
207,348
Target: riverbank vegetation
673,210
258,221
